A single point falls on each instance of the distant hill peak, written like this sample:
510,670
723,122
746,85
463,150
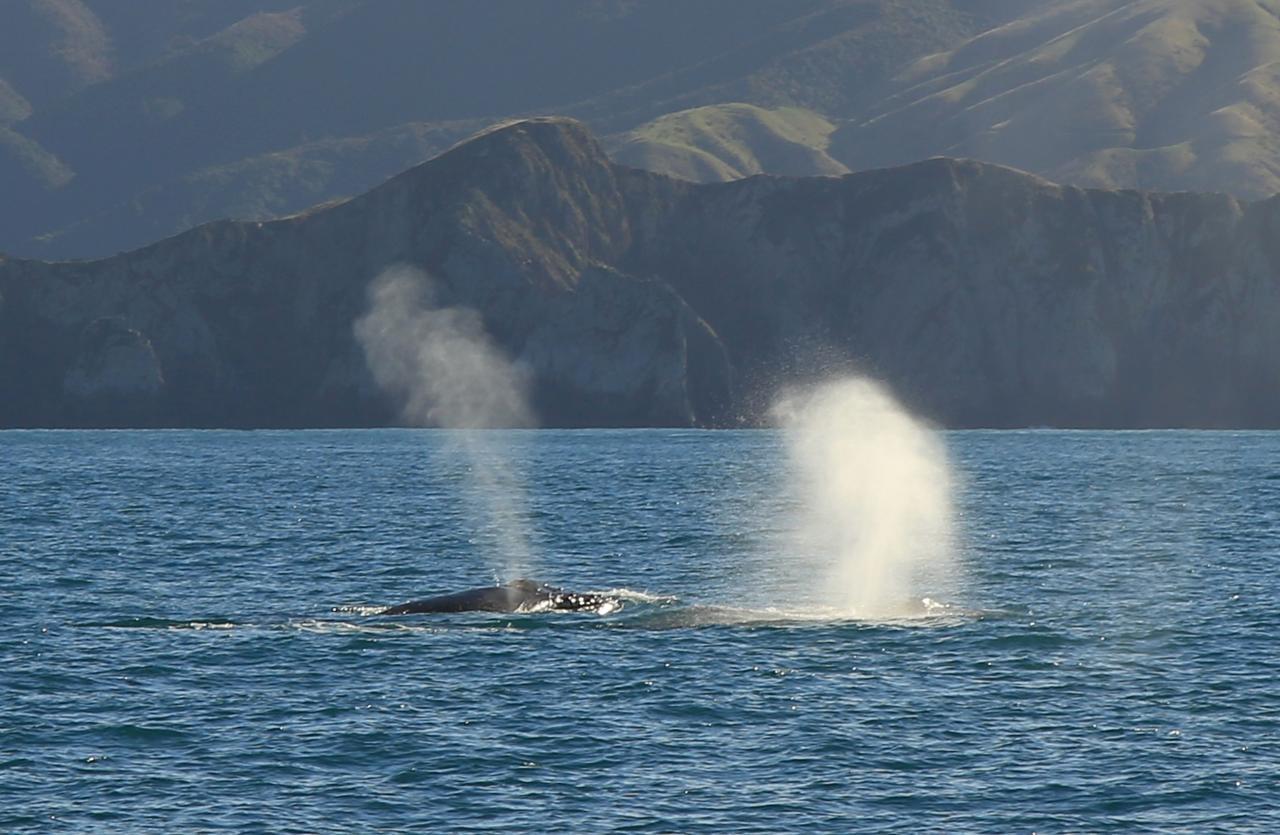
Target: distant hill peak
559,134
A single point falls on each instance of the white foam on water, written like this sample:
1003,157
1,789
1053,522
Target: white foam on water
633,596
361,610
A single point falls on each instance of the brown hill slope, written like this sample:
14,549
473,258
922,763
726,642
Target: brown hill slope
212,91
1169,94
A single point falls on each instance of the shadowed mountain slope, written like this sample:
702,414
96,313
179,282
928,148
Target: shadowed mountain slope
250,324
121,122
49,48
192,101
983,295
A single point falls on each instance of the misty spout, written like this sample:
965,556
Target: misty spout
438,362
446,372
875,529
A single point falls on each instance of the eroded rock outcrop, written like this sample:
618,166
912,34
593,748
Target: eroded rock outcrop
114,378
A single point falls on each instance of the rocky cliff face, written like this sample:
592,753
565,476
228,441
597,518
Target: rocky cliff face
983,295
990,297
250,324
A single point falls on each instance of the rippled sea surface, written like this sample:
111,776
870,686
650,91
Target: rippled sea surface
187,642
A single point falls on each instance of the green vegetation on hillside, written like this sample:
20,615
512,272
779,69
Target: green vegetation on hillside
24,163
200,93
131,120
13,107
730,141
50,48
1167,94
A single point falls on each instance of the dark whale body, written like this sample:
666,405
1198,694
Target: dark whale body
515,596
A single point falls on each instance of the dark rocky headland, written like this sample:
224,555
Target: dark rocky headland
983,296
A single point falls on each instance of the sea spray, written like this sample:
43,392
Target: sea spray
445,371
439,361
874,528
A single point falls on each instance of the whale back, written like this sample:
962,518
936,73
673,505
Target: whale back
514,596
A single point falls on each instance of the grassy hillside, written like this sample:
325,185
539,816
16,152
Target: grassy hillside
131,120
829,57
729,141
13,105
50,48
24,164
1168,94
199,93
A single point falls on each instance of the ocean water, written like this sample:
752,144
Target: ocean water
187,640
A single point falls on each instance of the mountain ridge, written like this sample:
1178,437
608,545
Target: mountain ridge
982,295
120,124
216,108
